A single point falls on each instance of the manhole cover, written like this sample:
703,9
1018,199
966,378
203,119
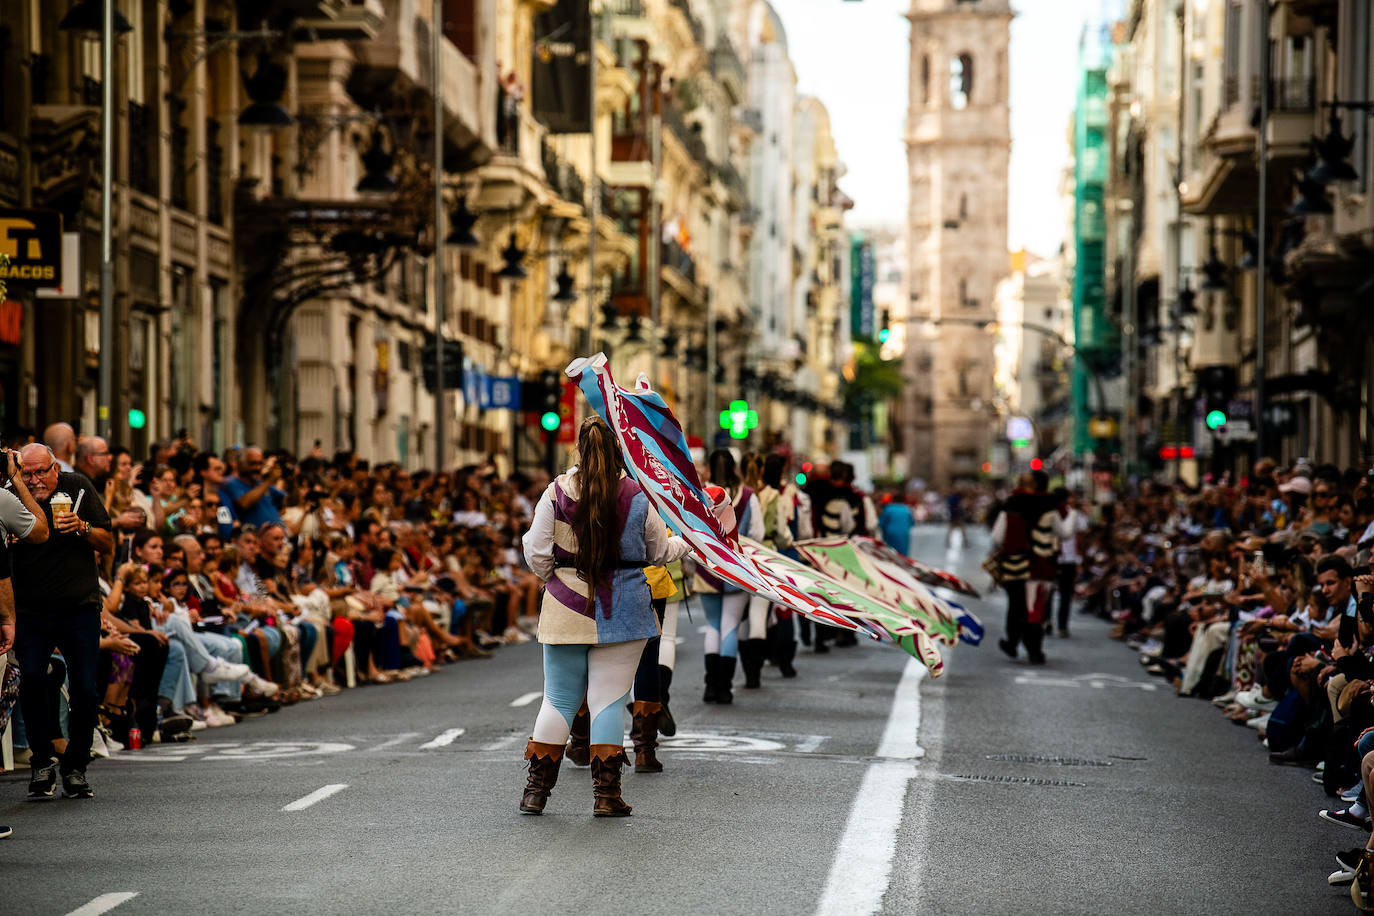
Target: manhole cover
1045,760
1021,781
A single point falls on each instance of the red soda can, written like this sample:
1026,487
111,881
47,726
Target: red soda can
135,739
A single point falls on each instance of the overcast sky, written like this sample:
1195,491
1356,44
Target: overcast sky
854,57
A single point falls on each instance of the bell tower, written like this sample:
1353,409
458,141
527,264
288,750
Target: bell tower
958,146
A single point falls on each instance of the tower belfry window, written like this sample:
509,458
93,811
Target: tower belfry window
960,81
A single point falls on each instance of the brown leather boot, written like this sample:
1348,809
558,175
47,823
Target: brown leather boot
606,762
644,733
544,760
579,736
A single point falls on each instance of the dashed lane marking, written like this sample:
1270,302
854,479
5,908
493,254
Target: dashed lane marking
502,744
392,742
104,903
315,797
444,739
526,699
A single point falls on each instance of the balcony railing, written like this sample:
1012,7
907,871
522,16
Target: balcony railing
730,177
562,177
1295,94
629,140
676,121
725,62
679,260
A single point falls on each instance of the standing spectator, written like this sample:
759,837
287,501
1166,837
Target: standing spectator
93,460
1073,525
251,495
57,597
60,439
896,522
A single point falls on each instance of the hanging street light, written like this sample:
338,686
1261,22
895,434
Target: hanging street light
377,163
460,223
266,87
512,254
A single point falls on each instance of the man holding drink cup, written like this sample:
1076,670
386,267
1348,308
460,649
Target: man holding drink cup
57,597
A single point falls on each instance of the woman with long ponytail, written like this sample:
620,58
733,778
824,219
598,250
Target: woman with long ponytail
592,535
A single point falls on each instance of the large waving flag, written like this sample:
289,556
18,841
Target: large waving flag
867,563
656,451
853,596
928,575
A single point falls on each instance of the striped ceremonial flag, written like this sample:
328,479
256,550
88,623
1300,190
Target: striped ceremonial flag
656,453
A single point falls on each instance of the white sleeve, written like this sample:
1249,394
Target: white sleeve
15,516
999,529
755,519
660,548
538,541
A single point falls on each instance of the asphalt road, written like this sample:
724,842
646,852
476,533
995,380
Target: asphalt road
1080,787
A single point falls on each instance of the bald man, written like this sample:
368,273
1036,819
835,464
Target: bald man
60,439
250,495
57,599
93,459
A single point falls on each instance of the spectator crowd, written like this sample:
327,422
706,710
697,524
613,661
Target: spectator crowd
236,583
1257,597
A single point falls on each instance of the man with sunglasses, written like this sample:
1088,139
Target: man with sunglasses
57,597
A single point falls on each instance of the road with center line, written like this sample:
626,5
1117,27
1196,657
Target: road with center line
859,787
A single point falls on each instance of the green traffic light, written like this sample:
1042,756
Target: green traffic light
884,334
137,418
801,480
1216,419
550,420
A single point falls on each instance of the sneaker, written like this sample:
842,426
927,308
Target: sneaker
1293,757
74,785
199,725
43,781
259,685
220,672
1260,721
98,749
176,723
1351,794
5,831
1226,699
195,711
1343,817
1152,648
1350,859
1341,877
218,718
1254,699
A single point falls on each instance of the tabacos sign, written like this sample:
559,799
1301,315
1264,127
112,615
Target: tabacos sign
31,240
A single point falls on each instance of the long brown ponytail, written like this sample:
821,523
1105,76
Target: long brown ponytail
595,523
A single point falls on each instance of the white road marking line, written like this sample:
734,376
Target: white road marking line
904,721
809,743
863,862
502,743
392,742
318,795
444,740
526,699
103,904
677,641
703,629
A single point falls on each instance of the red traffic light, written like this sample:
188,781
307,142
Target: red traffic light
1036,464
806,467
1168,453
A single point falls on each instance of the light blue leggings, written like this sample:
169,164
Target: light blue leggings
603,674
723,615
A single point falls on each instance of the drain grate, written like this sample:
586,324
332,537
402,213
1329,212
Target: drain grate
1020,780
1046,760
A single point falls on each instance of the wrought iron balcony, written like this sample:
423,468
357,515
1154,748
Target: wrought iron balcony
676,121
1295,94
677,259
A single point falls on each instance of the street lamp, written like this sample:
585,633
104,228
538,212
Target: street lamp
460,223
377,163
512,254
88,18
266,87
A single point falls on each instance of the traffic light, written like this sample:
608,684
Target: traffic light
453,363
137,418
1217,385
884,332
550,393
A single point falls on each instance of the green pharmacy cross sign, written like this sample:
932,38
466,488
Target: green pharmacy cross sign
739,419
